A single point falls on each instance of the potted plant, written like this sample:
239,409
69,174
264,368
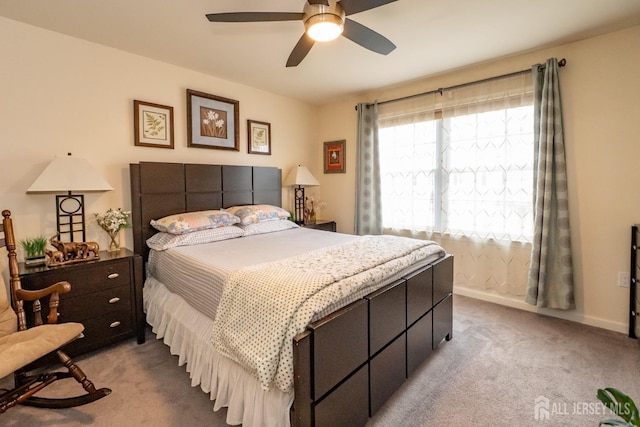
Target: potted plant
620,404
34,250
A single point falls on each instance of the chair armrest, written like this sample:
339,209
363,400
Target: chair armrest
59,288
53,292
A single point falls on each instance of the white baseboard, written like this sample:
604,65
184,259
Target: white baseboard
571,315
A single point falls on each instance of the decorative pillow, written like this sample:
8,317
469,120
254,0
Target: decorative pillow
267,227
194,221
162,241
249,214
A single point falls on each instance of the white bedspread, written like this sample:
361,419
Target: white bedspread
197,273
264,306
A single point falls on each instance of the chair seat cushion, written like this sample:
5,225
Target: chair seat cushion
23,347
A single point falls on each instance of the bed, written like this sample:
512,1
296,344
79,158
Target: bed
347,359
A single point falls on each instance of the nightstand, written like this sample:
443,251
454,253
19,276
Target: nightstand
106,297
322,224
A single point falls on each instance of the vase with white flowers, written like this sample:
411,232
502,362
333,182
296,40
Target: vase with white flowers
112,221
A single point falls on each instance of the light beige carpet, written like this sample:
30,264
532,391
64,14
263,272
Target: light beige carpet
498,364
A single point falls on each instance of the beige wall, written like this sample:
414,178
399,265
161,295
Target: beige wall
601,101
61,94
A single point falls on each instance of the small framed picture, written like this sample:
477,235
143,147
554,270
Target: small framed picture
212,121
259,137
334,157
153,124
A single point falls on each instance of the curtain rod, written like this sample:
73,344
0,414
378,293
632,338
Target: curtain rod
561,63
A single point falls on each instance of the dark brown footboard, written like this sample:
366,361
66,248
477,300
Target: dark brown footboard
349,363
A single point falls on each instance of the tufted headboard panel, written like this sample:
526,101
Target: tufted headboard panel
161,189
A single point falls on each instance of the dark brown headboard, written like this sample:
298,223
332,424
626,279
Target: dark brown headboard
161,189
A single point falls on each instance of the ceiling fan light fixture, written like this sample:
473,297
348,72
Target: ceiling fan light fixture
324,27
324,20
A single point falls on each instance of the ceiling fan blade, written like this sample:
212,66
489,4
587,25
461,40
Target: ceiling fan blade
367,38
254,16
324,2
301,49
355,6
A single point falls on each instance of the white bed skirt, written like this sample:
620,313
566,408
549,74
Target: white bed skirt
187,332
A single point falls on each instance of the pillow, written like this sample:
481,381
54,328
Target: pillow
162,241
249,214
194,221
266,227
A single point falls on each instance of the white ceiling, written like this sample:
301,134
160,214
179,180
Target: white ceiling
432,36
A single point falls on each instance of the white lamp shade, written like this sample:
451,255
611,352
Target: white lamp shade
68,173
300,176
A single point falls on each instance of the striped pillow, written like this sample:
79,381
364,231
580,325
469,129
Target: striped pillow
267,227
162,241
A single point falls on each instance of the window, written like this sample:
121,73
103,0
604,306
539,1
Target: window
461,166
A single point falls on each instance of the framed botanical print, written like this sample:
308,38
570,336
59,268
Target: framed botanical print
334,157
212,121
259,137
152,124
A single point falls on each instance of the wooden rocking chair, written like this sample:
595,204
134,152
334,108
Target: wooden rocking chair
21,346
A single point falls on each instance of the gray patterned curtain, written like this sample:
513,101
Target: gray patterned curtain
551,273
368,212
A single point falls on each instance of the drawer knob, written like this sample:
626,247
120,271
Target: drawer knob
114,300
113,276
115,324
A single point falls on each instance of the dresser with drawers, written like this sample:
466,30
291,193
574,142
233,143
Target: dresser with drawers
106,297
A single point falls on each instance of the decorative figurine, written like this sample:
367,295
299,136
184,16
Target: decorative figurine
71,252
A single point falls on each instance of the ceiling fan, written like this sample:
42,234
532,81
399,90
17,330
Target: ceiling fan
324,20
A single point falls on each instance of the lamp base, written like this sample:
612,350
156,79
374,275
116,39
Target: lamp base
70,217
299,205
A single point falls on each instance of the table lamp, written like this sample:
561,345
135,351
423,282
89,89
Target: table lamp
69,174
300,177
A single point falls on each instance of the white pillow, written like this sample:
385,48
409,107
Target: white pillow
162,241
266,227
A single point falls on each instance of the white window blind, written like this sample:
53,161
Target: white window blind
460,162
